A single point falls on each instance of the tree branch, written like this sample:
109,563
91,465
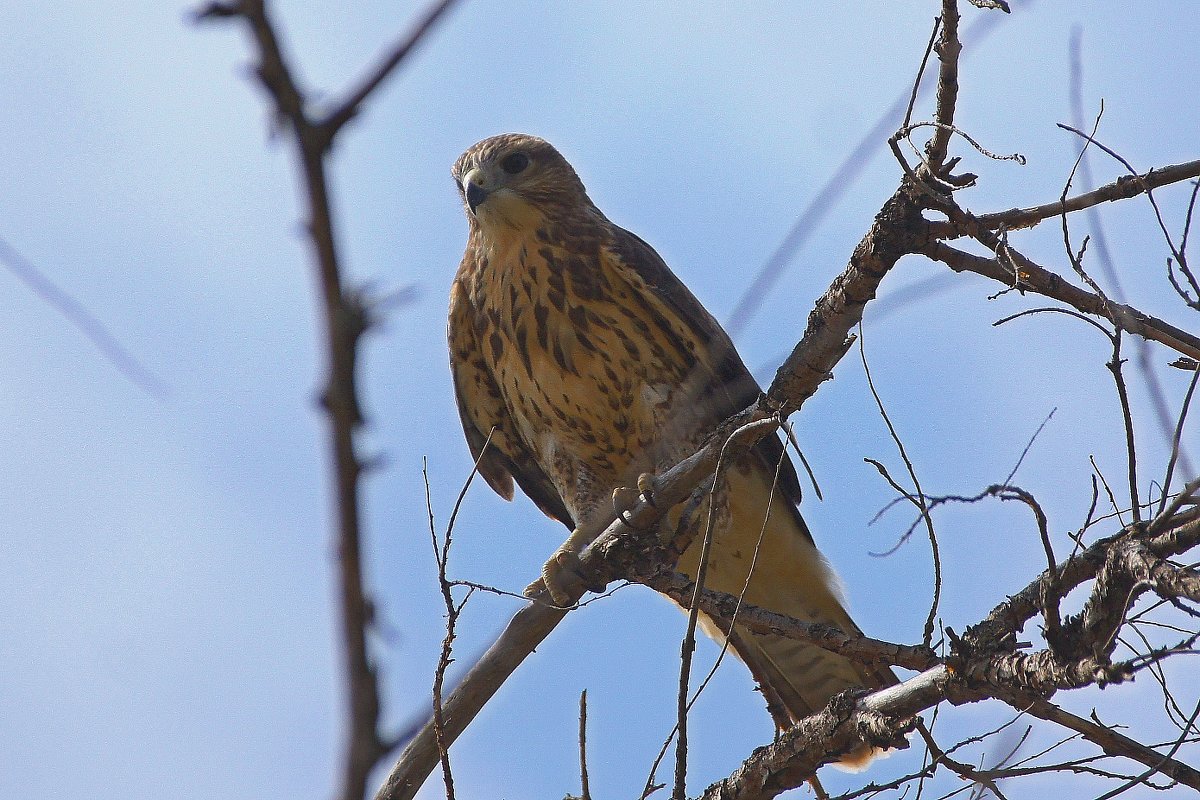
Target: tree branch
350,107
1109,740
723,606
1034,278
1122,188
948,49
347,318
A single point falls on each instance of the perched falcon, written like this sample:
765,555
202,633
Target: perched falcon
590,364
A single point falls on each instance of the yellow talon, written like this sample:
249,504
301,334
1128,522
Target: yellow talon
560,578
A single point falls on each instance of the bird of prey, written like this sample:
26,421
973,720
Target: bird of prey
589,364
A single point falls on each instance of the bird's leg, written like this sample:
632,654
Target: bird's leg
561,575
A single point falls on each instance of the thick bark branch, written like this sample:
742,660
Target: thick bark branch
1000,627
883,718
880,719
948,50
898,229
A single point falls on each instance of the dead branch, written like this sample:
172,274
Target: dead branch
1028,276
348,316
1109,740
1122,188
350,107
984,662
948,50
916,497
723,606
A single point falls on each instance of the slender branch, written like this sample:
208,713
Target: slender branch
585,792
948,49
723,606
350,107
912,98
688,646
1032,277
1049,602
1112,742
1177,439
441,554
347,317
1115,367
1122,188
917,497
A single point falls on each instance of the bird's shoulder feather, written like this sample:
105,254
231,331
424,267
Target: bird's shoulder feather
732,387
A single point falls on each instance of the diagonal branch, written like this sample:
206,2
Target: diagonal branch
1122,188
350,107
1032,277
1109,740
723,606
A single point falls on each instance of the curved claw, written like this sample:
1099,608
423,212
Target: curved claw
624,499
647,484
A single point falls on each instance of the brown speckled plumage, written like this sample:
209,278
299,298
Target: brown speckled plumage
590,363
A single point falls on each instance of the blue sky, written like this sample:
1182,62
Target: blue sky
166,594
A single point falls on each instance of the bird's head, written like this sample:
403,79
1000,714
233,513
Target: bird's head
515,180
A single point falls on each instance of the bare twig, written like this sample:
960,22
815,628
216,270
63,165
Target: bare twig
1052,596
1177,439
441,554
1114,366
1038,279
585,790
688,646
1122,188
1112,742
88,324
347,318
912,98
723,606
916,497
350,107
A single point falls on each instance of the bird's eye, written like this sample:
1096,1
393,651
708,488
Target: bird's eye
515,163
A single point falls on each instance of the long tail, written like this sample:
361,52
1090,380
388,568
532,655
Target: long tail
789,576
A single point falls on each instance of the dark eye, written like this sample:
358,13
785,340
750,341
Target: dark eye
515,163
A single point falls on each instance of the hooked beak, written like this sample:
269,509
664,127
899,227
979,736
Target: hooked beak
473,189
